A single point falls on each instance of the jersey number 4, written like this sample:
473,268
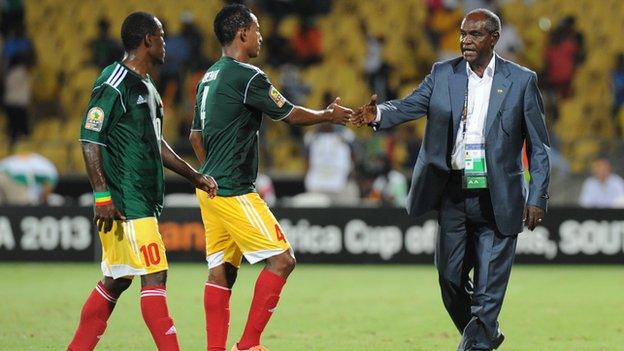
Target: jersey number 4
151,255
279,233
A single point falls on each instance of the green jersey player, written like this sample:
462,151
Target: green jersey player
231,99
124,152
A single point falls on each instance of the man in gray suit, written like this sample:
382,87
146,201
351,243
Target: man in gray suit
480,111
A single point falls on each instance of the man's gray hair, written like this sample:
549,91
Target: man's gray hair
492,22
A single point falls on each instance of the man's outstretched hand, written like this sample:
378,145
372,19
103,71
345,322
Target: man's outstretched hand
338,113
366,114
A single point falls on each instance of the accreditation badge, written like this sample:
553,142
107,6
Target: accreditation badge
475,168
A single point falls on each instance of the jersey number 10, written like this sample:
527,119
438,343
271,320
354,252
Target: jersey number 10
151,255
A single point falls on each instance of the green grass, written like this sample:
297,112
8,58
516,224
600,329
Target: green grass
326,308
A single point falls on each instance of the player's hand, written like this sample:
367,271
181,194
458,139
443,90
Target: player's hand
533,215
339,114
366,114
206,183
105,215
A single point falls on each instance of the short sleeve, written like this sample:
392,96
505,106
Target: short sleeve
103,108
196,125
261,94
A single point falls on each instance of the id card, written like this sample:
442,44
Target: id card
475,169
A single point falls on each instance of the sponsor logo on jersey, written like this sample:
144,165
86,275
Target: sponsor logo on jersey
95,119
141,100
276,97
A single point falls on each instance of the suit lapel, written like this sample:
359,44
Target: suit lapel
500,87
458,82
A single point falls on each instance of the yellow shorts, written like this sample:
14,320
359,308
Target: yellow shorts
133,247
240,225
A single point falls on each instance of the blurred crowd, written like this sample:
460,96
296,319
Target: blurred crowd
338,165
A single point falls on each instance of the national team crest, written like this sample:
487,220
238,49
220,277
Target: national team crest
277,97
95,119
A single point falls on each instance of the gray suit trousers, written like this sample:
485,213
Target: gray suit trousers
470,241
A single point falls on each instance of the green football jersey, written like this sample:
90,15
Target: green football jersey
230,101
125,116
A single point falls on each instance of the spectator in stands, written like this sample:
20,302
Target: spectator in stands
307,42
330,162
104,49
27,179
413,147
184,55
277,46
11,15
443,24
564,52
17,96
617,77
193,36
390,186
430,32
293,87
603,188
376,69
17,43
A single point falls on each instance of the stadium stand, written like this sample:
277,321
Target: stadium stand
61,30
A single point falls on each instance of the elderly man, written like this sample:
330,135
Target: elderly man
480,110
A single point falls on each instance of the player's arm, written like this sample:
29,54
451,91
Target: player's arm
195,137
104,107
261,94
172,161
105,210
334,113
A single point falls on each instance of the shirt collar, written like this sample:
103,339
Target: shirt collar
489,70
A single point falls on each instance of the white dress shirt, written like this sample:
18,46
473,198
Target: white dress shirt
478,102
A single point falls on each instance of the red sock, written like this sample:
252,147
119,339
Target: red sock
266,296
95,313
156,316
217,308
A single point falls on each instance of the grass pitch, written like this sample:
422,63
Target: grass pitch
325,308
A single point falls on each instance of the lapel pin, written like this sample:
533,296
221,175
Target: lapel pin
499,91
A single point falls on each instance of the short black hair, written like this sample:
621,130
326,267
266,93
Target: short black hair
492,21
229,20
135,27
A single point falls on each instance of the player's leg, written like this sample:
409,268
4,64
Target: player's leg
151,251
224,258
101,302
217,293
260,237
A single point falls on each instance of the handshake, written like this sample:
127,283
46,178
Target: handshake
363,115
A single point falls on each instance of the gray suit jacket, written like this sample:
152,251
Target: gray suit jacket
515,115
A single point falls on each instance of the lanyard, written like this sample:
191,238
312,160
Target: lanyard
464,116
